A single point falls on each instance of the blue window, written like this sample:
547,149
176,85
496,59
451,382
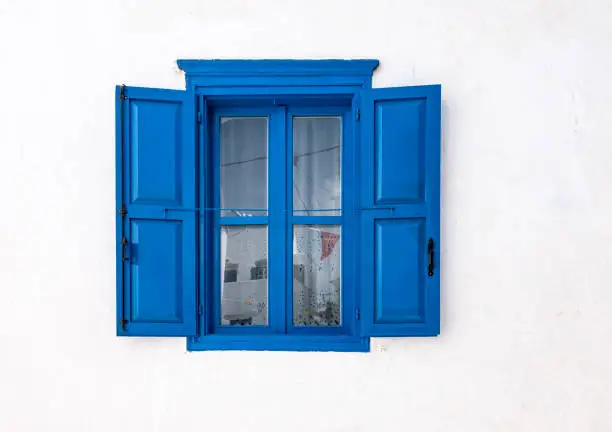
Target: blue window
278,205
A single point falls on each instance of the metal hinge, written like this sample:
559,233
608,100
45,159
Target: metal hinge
358,115
124,246
358,315
122,211
122,323
122,95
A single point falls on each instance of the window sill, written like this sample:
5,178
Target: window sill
279,343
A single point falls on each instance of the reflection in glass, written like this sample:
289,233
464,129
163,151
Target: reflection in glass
316,165
244,166
244,275
316,275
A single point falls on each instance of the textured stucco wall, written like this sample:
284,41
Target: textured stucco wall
526,340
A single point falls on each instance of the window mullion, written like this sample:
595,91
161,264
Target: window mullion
288,284
277,183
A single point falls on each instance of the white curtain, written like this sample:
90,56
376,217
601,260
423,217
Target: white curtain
316,164
316,275
244,164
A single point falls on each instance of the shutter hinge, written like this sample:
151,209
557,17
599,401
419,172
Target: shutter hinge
358,115
124,245
122,323
358,315
122,211
122,95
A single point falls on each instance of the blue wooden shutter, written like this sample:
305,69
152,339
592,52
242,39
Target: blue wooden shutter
156,230
400,214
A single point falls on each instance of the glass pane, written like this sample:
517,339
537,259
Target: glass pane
244,275
244,166
316,275
316,165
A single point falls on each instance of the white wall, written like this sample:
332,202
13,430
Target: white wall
526,340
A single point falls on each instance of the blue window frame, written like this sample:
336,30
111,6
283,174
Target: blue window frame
278,205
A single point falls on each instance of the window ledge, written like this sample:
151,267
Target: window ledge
279,343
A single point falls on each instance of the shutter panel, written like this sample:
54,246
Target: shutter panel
156,238
400,200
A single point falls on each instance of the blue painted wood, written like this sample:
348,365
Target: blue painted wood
289,222
399,260
282,67
277,231
119,219
306,102
213,176
277,77
302,84
243,220
400,200
239,87
156,259
399,153
350,223
206,239
158,167
297,342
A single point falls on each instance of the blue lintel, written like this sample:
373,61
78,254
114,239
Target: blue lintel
358,67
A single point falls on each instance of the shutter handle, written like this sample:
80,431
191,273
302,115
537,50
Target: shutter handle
430,255
124,245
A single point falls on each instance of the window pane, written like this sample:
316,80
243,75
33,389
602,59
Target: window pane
244,275
244,166
316,275
316,165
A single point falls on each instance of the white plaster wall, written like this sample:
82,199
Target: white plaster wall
526,340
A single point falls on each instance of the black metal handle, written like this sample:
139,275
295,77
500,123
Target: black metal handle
430,255
124,246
